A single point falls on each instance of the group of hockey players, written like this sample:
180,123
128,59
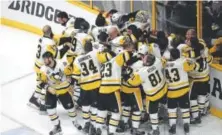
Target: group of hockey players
119,73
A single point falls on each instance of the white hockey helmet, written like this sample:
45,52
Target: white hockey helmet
143,49
115,17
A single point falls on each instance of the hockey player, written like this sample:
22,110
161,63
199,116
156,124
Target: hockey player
131,98
109,92
154,85
200,80
178,88
46,43
87,72
53,79
95,31
76,22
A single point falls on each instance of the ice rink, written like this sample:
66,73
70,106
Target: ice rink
18,83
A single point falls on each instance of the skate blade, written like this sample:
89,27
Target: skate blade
32,106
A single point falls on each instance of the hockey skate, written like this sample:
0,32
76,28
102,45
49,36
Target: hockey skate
98,131
57,130
172,130
135,131
155,132
34,103
186,128
92,130
195,120
76,125
86,128
122,127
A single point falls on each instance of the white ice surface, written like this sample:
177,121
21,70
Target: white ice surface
8,124
17,55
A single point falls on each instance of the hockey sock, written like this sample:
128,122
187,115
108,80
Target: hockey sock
53,116
201,103
76,94
126,113
85,114
114,122
154,121
93,113
194,108
37,92
42,97
136,117
172,114
186,115
100,119
72,114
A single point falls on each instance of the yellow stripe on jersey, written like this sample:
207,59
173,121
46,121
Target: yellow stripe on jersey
122,58
135,80
157,95
110,81
103,57
38,66
118,98
175,93
178,84
189,66
109,85
106,88
91,85
139,99
210,59
129,89
62,88
202,79
90,78
76,72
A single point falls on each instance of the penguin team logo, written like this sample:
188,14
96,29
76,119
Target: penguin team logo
36,9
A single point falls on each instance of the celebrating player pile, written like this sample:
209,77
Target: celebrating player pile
119,71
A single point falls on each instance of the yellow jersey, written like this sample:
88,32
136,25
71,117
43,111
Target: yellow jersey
177,76
87,69
111,72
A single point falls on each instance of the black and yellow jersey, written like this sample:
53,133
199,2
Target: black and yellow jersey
177,76
55,77
202,75
45,44
126,88
87,69
152,80
111,72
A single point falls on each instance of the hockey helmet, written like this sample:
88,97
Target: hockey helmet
115,18
143,49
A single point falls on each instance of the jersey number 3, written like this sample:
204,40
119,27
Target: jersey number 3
38,54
